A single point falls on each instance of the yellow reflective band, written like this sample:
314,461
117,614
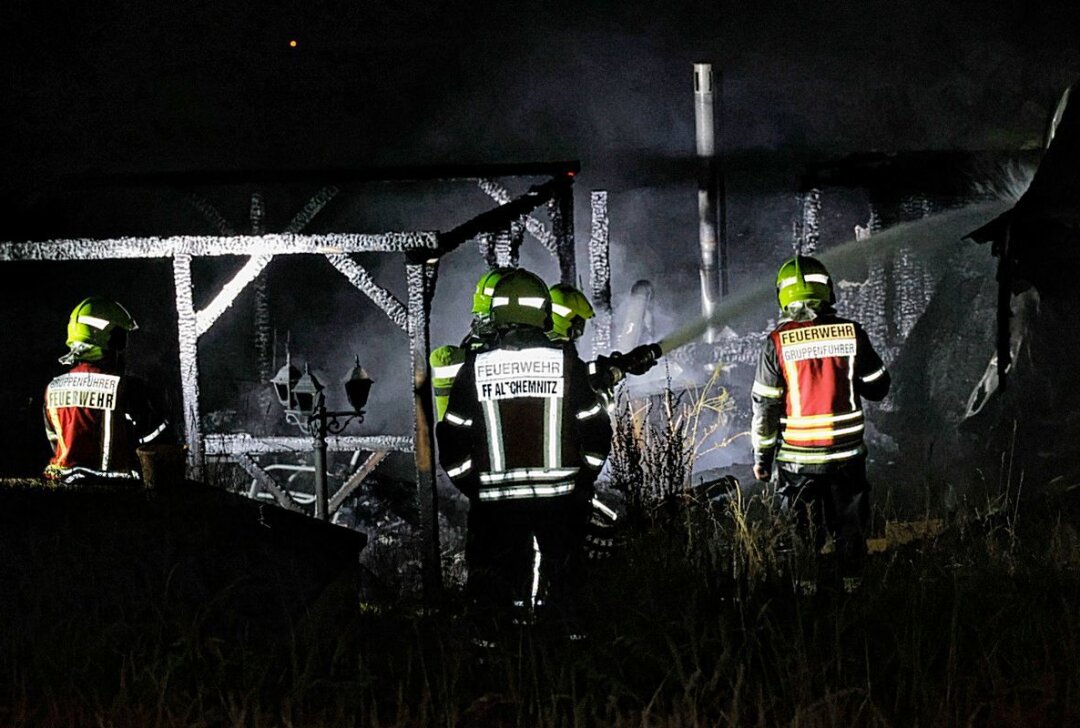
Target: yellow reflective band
807,420
791,376
560,310
58,428
761,442
457,420
460,469
816,278
765,390
874,376
801,435
788,456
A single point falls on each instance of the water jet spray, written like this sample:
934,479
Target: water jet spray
928,235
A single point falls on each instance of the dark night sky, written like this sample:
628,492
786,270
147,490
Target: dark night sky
117,87
135,86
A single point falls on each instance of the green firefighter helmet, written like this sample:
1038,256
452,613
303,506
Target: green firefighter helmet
485,287
803,283
570,309
97,326
521,297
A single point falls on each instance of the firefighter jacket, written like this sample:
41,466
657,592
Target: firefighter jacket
808,388
94,420
522,421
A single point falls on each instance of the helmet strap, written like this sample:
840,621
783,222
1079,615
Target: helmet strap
76,352
577,328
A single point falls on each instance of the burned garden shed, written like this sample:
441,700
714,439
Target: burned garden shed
499,232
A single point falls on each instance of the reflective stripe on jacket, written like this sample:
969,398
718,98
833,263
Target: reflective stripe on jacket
521,421
810,380
94,420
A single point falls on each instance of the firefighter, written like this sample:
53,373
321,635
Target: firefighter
813,372
570,309
446,360
522,433
95,415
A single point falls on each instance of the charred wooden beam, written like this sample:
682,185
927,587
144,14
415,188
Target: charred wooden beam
323,176
499,218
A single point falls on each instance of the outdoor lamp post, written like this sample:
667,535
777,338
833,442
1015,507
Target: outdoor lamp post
301,396
357,386
283,383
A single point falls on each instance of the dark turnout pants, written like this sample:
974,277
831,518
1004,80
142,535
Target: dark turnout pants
834,504
501,556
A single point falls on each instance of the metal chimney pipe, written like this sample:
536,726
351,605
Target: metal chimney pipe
705,128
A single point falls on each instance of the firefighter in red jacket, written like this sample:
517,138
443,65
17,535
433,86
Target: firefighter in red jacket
95,416
814,370
523,437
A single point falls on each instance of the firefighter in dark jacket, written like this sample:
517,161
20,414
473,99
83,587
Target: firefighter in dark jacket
814,370
95,415
523,437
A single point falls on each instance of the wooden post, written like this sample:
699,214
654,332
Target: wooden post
187,327
421,278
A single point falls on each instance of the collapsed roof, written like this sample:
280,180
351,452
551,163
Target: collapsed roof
1037,242
1042,227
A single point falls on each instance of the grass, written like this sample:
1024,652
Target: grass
695,621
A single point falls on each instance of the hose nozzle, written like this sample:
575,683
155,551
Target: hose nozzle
607,371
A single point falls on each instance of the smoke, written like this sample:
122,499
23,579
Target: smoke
331,321
1008,182
929,237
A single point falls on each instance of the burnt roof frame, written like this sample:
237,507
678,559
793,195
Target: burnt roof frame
422,252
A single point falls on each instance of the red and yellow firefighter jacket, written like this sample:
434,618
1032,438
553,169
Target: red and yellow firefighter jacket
807,395
522,421
94,420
